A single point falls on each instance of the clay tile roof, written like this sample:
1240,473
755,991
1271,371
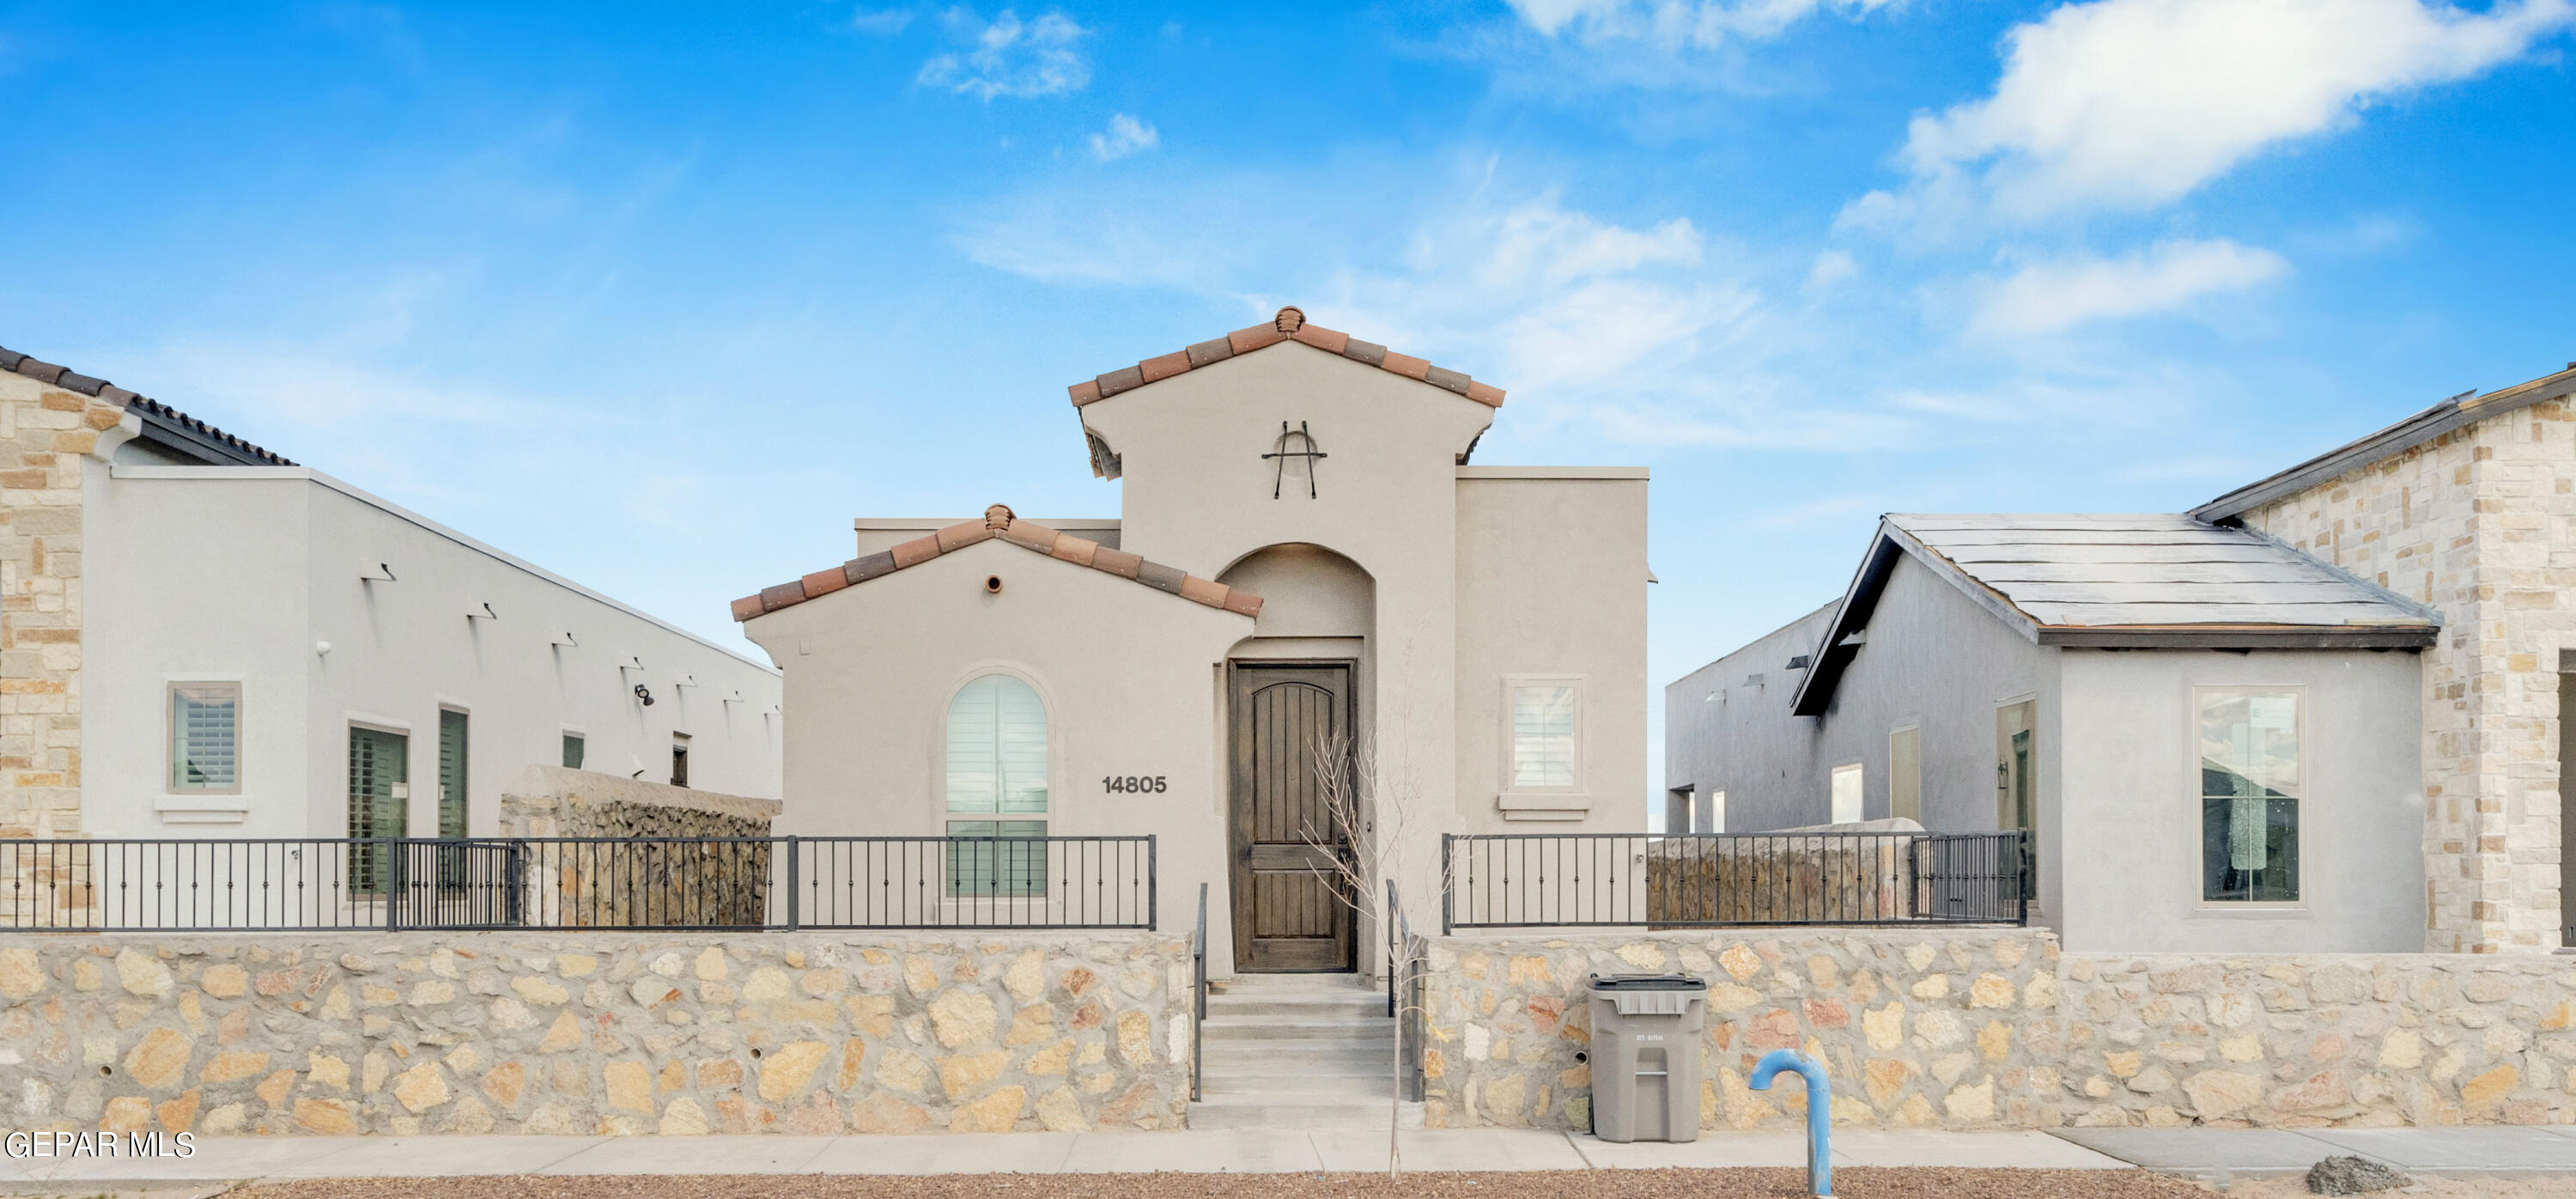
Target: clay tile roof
1289,325
163,422
999,524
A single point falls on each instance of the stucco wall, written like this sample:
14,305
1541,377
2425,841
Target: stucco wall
400,651
1934,659
1128,674
586,1034
1983,1028
2130,816
1552,585
1198,495
2480,523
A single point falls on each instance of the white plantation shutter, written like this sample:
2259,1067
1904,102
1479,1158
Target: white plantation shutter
1543,736
997,748
205,735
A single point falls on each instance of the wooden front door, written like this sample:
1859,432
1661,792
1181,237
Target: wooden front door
1289,906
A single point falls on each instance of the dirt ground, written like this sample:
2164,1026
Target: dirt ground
2489,1186
1852,1183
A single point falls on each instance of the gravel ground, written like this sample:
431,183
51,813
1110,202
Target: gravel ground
2485,1186
1852,1183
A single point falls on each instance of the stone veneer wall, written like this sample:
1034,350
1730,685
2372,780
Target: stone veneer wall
2303,1040
599,1033
1947,1028
558,801
46,433
2475,523
1986,1028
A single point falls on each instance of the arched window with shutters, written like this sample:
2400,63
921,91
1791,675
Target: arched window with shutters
996,787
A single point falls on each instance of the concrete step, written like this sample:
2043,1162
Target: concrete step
1300,1004
1261,1063
1301,1086
1283,1029
1277,984
1374,1113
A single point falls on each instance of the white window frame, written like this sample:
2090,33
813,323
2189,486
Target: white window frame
1716,811
170,784
1859,774
2195,830
1567,802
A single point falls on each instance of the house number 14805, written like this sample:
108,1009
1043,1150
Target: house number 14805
1132,782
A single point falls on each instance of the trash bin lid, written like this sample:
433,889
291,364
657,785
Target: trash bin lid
1647,982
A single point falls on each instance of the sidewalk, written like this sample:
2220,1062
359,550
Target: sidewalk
2201,1153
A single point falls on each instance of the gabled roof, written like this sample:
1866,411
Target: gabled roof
999,525
2466,408
1289,325
2122,581
163,425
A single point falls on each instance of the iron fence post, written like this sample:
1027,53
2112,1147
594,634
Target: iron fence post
1446,928
397,879
1153,887
794,914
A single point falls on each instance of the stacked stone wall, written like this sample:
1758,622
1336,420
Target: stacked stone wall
2328,1039
2481,524
46,435
1931,1028
1986,1028
586,1034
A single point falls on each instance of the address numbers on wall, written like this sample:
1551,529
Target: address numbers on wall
1132,782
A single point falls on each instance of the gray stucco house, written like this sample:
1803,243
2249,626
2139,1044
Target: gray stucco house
2212,736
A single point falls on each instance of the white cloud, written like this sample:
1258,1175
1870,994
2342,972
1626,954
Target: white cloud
1012,57
884,22
1831,267
1126,135
2051,297
2129,104
1674,25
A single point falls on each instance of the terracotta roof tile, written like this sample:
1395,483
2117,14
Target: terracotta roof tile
1289,325
998,524
861,570
209,438
1155,370
916,551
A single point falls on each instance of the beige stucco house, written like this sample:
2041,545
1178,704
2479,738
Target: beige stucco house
1304,557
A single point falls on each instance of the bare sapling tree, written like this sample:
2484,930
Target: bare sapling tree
1359,835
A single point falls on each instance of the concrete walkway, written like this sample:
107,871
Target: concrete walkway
1240,1150
2205,1153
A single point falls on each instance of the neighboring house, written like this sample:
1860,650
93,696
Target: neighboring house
2469,507
199,638
1304,561
2210,736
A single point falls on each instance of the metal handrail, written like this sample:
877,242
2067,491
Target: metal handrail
1404,976
1198,992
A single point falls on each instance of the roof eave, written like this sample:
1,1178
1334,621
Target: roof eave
2240,636
1289,326
2452,414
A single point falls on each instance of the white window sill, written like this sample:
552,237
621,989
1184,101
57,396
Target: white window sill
2253,912
1544,805
201,809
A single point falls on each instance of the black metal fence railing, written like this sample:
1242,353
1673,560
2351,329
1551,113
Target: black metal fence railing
1542,880
1408,961
745,883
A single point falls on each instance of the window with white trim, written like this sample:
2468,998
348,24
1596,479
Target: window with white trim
996,788
205,738
1544,721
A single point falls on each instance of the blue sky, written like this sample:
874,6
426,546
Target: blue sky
660,296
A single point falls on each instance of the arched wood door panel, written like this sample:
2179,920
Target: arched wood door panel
1287,915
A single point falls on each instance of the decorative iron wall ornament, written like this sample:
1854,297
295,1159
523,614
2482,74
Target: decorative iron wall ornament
1294,443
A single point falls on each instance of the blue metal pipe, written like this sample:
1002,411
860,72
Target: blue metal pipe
1820,1112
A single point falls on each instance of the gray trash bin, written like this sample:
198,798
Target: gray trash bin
1645,1056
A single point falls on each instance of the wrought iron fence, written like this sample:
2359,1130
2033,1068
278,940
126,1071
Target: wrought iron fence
748,883
1541,880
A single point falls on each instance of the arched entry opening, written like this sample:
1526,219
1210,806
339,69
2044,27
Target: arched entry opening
1297,700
